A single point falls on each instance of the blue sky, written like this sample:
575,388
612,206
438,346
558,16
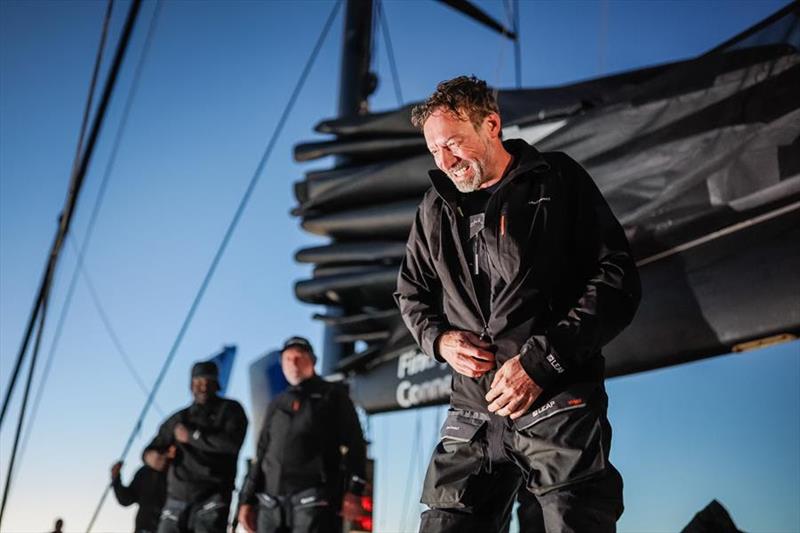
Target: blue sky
216,80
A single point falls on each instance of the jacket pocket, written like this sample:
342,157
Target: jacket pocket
563,441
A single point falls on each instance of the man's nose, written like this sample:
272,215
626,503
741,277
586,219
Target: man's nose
448,159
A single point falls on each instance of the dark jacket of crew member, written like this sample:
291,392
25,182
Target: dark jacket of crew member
563,281
311,458
207,435
148,489
300,444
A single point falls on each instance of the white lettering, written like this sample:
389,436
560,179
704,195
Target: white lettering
543,408
409,395
413,362
554,363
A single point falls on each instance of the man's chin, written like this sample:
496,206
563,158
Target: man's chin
467,184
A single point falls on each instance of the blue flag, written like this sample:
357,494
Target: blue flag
224,362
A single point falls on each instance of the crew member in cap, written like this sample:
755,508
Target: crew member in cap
311,458
204,439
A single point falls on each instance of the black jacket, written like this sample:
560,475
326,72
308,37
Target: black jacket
148,489
563,279
206,465
300,443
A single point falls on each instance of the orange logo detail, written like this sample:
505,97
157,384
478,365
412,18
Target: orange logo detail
295,405
575,401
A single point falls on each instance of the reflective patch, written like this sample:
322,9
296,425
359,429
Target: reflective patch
565,401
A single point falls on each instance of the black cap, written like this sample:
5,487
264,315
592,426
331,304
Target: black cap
205,369
300,342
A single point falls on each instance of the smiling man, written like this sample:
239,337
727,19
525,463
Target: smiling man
516,274
201,445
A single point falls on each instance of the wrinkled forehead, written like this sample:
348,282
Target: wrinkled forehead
444,124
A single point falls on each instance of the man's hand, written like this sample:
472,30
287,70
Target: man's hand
512,391
247,517
465,352
156,460
351,507
182,433
115,469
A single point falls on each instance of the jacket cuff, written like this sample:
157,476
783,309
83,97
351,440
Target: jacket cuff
541,361
428,345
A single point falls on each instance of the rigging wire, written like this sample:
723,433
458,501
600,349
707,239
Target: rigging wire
26,395
498,71
113,335
390,52
517,45
82,132
81,253
75,186
76,183
88,109
223,245
79,147
114,339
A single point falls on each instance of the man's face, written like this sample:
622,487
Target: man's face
203,389
459,150
297,365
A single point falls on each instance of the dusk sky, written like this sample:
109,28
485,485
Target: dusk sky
216,79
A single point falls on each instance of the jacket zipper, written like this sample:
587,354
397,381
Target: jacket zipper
485,335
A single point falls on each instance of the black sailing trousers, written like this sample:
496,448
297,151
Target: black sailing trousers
209,515
558,453
307,511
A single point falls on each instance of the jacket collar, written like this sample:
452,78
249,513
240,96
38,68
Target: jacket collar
528,157
308,385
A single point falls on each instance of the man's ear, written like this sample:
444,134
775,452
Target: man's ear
493,125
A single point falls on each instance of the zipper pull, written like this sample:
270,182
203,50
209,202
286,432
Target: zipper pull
503,220
475,267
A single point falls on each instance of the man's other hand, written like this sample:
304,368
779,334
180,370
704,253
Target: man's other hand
351,507
181,433
115,469
512,391
156,460
247,517
465,352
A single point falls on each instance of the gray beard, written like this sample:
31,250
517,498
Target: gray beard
478,178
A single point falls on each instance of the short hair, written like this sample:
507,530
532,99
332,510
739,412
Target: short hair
466,97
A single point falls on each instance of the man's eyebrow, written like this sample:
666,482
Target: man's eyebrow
446,140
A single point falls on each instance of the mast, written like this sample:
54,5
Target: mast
356,83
